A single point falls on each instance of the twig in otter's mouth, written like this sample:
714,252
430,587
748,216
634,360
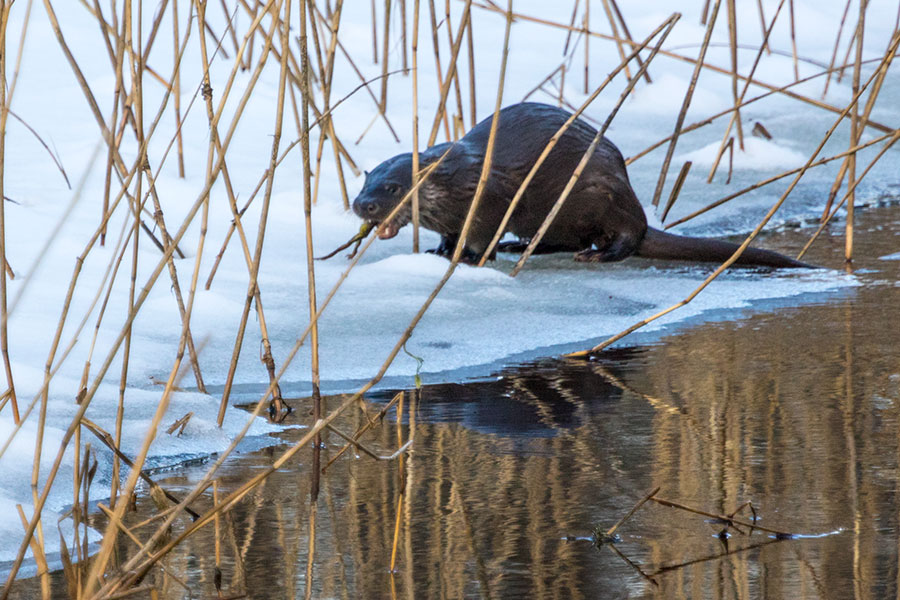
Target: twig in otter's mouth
364,230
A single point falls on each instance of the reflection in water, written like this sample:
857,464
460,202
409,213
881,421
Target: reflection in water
794,409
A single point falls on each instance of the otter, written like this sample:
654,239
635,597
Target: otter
601,221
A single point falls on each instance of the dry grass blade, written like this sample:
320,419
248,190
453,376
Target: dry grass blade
676,189
837,43
415,123
53,157
4,114
451,70
679,121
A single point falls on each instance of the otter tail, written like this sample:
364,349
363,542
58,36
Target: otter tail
659,244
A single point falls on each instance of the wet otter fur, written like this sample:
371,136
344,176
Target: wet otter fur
602,219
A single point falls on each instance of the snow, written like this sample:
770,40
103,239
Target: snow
481,318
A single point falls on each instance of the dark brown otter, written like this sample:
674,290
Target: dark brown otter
602,219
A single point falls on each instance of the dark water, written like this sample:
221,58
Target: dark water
794,409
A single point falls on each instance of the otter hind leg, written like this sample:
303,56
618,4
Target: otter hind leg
609,248
446,247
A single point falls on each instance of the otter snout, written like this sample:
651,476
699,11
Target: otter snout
367,208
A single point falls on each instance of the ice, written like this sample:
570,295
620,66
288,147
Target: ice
481,318
758,154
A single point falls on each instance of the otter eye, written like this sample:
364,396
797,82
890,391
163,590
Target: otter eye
393,188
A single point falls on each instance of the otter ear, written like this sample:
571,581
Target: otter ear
366,174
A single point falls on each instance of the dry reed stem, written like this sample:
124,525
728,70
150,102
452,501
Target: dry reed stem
492,137
415,122
310,268
158,212
676,189
723,518
811,101
129,533
354,440
355,443
612,530
837,43
382,104
177,89
571,27
679,121
794,40
628,37
374,34
546,79
118,60
758,228
451,70
403,36
855,133
620,45
733,42
774,178
43,571
401,486
53,157
455,74
252,286
762,25
739,99
470,43
501,229
587,40
438,73
851,188
668,25
4,113
236,223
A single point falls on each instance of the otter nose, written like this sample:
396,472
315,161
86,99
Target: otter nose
365,207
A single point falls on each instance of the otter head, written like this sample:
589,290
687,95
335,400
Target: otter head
382,191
